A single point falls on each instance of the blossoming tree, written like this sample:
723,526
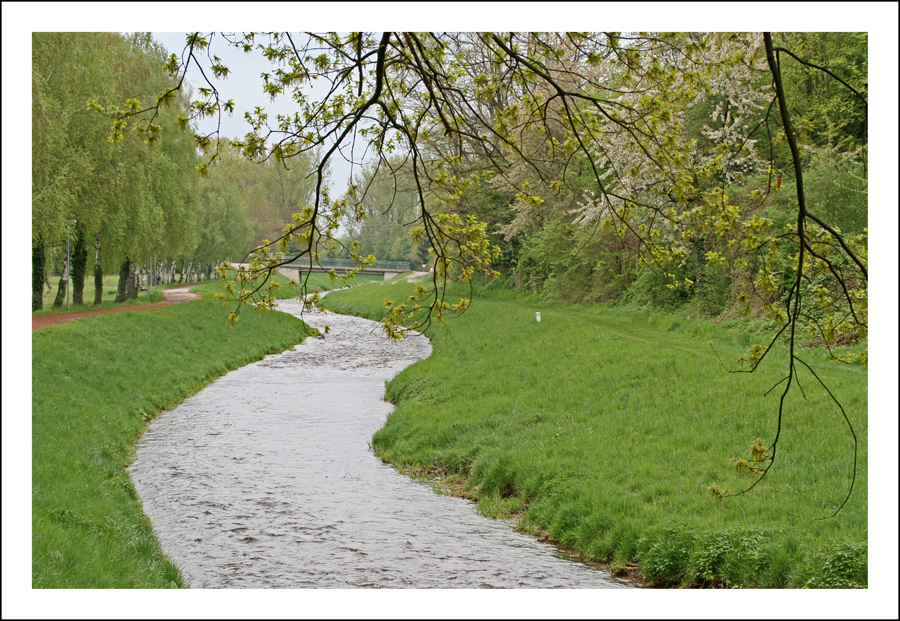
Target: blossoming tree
664,123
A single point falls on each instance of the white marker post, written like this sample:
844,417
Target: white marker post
537,316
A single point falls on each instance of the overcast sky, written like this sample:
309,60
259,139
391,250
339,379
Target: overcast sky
245,87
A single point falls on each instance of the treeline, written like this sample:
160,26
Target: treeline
554,253
389,206
561,242
135,206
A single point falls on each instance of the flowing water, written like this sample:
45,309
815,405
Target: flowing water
266,479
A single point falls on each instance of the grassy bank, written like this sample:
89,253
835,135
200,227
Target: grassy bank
603,430
95,384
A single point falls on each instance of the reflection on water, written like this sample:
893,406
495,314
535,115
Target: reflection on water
265,479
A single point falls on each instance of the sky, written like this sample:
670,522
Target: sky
244,86
20,19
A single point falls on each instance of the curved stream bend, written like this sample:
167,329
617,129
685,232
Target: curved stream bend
265,479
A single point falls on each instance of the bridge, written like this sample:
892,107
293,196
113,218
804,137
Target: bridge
387,269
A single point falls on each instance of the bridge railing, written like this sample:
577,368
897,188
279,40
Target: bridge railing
401,266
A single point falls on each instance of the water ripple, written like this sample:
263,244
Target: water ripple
265,479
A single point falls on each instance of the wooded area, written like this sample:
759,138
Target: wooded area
655,168
133,205
647,168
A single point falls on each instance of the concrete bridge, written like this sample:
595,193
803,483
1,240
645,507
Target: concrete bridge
387,269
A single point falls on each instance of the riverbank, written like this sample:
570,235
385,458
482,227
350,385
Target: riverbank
283,491
95,384
460,486
604,431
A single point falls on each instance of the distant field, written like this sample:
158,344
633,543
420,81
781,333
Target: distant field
604,430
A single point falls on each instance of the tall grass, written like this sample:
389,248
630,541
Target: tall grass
604,430
95,384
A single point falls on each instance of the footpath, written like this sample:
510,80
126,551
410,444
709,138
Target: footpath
175,295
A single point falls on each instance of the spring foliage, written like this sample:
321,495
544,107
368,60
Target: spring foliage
670,161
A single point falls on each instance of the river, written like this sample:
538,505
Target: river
266,479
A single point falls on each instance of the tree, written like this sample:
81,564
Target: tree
68,69
153,208
129,200
79,263
825,80
52,178
38,260
390,203
225,230
289,186
664,124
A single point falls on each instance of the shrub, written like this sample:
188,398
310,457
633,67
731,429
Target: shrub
843,565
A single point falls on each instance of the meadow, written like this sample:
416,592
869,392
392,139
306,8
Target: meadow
614,432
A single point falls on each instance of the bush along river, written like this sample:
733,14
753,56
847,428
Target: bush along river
266,479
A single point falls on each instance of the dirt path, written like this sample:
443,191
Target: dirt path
175,295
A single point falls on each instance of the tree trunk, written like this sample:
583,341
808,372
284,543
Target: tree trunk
79,266
172,272
134,284
98,273
208,271
181,274
38,261
189,276
63,281
121,291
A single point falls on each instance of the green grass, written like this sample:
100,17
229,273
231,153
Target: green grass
95,384
110,284
603,429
